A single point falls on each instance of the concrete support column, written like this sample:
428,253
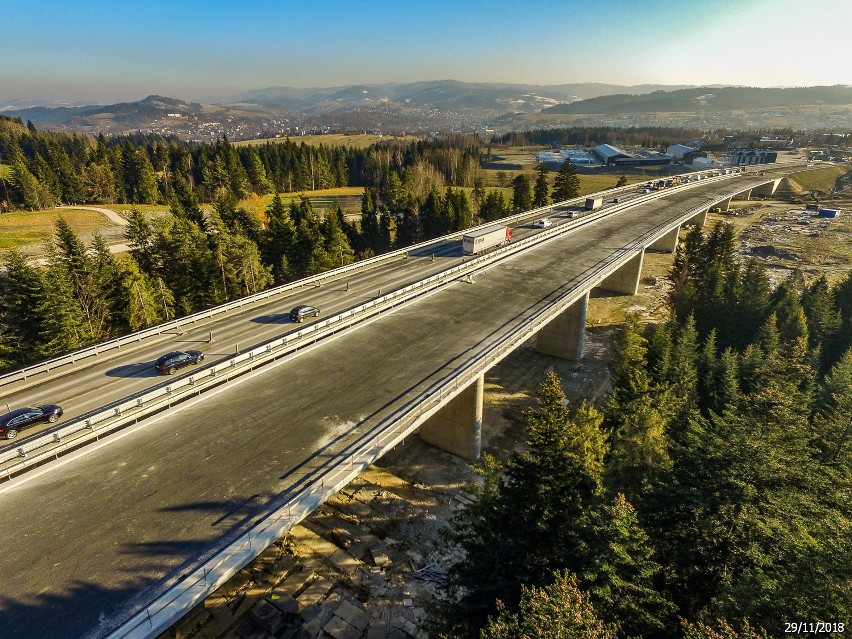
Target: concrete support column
725,205
457,427
625,280
667,243
700,219
745,195
563,336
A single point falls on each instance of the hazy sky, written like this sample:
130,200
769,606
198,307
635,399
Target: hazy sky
120,50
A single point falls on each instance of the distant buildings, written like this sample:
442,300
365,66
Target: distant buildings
747,157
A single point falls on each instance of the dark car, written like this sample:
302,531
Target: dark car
18,420
302,311
170,362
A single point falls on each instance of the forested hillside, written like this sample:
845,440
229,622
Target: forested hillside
708,498
44,169
703,99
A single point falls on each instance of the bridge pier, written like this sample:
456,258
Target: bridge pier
668,242
563,336
700,219
725,205
457,426
625,280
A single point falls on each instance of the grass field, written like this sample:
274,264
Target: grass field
821,179
20,229
359,141
321,198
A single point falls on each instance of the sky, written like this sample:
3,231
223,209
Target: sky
118,50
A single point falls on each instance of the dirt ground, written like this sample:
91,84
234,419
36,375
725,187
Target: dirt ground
369,562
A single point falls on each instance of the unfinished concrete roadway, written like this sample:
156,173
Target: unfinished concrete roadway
91,542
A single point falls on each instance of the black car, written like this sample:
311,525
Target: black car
22,418
302,311
170,362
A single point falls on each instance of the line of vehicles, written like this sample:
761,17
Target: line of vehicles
13,422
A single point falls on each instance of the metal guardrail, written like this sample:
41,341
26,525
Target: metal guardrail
344,466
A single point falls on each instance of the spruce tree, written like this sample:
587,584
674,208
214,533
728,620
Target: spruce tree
541,190
559,610
566,185
522,195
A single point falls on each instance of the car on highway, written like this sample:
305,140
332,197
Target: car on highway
302,311
13,422
167,364
543,223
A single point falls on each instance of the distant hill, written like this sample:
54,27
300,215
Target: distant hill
131,114
704,99
421,108
439,94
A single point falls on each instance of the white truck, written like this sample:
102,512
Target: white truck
593,203
475,242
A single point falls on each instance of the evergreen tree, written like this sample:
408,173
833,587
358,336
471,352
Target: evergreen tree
566,185
541,190
140,238
824,321
21,288
144,305
278,240
493,207
557,611
621,573
522,195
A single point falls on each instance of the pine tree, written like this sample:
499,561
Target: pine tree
144,305
621,573
522,195
824,321
541,190
559,610
551,487
566,185
277,242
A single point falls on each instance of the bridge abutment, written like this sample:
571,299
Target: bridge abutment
625,281
767,189
563,336
457,427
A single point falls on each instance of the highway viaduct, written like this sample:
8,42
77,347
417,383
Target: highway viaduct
146,522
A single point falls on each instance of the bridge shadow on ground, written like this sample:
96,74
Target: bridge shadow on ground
443,250
275,318
84,609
